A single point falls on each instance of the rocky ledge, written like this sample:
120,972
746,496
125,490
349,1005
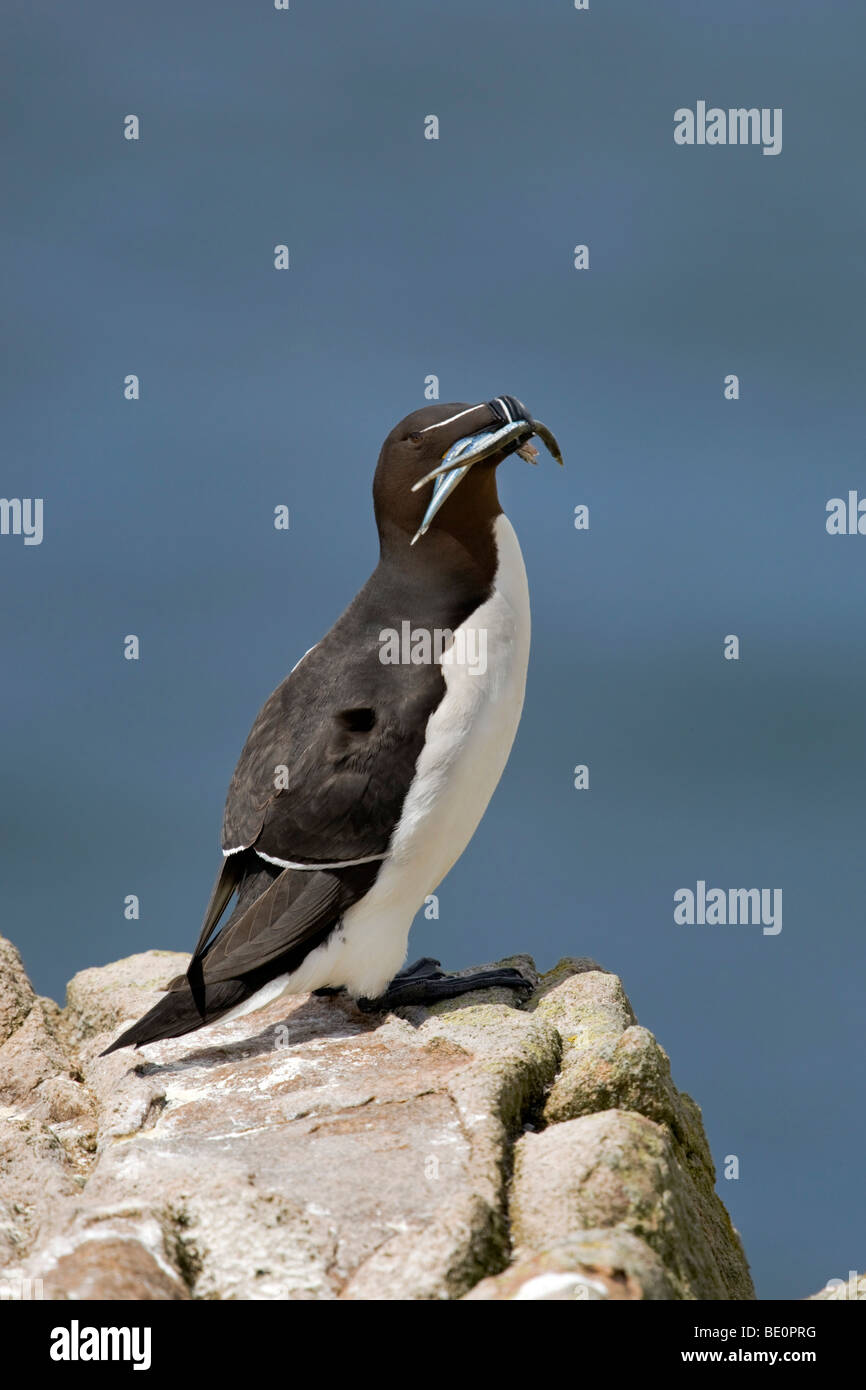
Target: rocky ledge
471,1150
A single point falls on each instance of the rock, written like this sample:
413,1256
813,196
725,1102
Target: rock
612,1069
476,1149
16,992
112,1269
589,1266
47,1126
620,1169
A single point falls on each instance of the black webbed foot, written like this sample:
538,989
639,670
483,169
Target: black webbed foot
424,983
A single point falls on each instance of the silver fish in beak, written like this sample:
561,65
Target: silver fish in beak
473,448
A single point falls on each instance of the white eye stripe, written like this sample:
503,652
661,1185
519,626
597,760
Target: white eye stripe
458,416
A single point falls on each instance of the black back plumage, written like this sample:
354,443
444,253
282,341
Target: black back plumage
348,729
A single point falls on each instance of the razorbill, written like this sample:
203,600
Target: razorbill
367,771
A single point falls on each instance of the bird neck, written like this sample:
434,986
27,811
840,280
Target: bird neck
458,556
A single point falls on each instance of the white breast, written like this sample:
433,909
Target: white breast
467,743
466,746
470,733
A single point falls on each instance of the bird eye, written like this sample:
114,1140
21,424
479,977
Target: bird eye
415,437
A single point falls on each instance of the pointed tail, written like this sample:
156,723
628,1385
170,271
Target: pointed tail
182,1011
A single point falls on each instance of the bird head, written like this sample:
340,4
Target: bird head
438,465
